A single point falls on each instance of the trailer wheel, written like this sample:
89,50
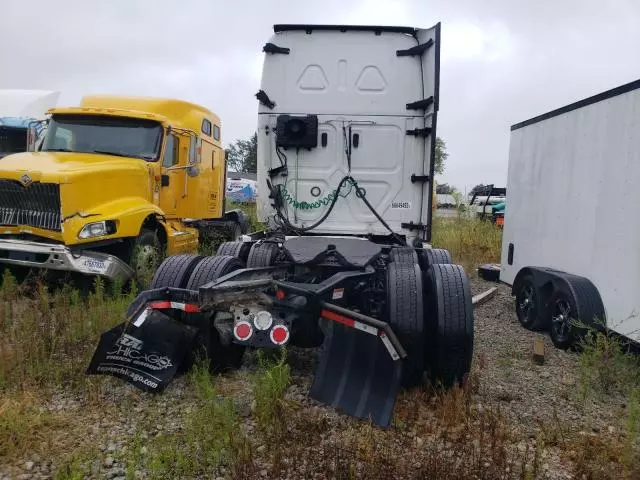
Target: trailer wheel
175,271
234,249
573,311
562,309
406,317
449,321
221,357
262,255
404,255
434,256
529,305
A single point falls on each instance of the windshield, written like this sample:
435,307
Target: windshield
12,140
126,137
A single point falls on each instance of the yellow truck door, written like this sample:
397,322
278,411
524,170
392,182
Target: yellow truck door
172,178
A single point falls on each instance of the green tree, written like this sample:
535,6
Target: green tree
441,156
242,155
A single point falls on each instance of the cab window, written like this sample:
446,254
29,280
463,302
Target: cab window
216,132
171,151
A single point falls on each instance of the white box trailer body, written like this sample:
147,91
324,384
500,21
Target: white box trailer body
376,102
561,212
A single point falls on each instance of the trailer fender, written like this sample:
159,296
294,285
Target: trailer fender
548,280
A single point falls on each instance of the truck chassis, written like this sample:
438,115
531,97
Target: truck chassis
384,316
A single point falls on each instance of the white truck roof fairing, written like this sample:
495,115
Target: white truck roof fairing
374,92
27,103
560,213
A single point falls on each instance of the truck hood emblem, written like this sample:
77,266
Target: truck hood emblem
25,179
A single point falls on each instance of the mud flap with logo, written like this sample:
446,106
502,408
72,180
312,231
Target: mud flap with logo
147,350
357,373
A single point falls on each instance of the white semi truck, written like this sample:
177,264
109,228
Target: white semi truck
571,250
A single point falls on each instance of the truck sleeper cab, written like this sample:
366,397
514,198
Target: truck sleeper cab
118,183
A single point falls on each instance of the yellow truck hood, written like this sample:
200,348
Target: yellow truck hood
61,167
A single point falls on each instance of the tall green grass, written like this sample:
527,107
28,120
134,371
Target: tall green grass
471,241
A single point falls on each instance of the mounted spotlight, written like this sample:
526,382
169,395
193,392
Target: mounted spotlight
297,131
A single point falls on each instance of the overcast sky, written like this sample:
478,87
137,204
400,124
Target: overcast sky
502,61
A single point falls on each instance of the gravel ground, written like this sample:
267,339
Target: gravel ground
103,423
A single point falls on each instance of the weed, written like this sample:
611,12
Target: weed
471,241
23,427
210,437
605,367
269,386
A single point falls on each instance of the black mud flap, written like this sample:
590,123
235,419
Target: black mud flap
148,349
356,374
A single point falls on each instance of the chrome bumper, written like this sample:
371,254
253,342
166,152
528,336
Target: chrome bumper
59,257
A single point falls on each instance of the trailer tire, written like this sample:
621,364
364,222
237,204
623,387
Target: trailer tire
175,271
449,322
434,256
404,255
207,342
235,249
406,318
262,255
581,303
530,308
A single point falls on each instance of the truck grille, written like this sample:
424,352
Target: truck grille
36,205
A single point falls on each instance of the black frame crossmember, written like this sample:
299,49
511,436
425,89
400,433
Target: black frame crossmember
273,48
417,50
420,104
420,132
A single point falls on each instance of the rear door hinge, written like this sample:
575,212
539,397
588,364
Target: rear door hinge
414,226
273,48
264,99
420,104
419,178
420,132
417,50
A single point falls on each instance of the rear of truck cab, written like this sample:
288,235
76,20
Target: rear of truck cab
372,95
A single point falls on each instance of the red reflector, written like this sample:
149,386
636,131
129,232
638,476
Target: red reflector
279,334
159,305
280,295
329,315
191,308
243,330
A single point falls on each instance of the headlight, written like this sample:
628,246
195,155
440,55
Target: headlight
262,320
98,229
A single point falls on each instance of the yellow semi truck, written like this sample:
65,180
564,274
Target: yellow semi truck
118,183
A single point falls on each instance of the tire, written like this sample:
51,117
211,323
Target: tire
434,256
145,256
175,271
562,310
236,232
449,324
406,318
262,255
207,342
530,305
404,255
235,249
582,303
212,268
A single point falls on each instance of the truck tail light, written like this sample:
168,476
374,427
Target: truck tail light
243,331
279,334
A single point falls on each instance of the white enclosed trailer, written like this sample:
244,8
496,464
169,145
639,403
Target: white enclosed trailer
571,250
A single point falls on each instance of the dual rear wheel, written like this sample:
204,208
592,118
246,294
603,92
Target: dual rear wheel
431,312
